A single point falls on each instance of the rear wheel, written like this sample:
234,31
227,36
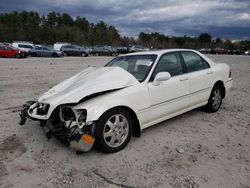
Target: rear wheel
113,130
84,54
215,99
54,55
34,54
18,56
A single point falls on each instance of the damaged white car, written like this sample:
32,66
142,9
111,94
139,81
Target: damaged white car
106,106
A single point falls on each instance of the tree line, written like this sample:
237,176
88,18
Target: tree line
204,40
55,27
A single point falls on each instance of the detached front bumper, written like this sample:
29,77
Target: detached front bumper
79,138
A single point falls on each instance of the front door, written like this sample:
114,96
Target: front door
169,96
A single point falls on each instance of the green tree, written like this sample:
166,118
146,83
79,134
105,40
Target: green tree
205,38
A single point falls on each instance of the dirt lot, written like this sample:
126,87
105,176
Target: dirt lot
196,149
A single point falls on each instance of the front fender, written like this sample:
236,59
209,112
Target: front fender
94,111
133,98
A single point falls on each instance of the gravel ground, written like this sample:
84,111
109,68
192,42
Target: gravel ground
196,149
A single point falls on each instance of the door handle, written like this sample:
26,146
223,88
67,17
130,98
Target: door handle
209,72
183,79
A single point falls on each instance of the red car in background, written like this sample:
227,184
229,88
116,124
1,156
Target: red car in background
9,51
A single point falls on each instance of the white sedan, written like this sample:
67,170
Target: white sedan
108,105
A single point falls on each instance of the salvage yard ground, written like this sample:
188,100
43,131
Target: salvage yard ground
196,149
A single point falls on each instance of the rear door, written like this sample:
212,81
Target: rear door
10,52
200,77
67,49
46,52
73,50
39,51
2,52
171,95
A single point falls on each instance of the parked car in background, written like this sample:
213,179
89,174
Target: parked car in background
219,51
44,51
22,45
74,50
5,44
122,50
137,48
236,52
57,46
107,105
87,49
9,51
104,50
205,50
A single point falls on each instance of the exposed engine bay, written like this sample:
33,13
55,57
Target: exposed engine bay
67,125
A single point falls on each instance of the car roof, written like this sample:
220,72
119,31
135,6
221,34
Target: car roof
161,52
158,52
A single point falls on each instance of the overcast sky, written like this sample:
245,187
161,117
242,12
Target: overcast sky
224,18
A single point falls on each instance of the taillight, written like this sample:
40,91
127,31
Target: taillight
230,73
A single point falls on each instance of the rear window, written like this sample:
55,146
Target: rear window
25,46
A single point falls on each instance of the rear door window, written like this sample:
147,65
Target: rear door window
38,48
194,62
46,49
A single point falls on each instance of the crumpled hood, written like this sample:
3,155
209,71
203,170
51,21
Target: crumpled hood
87,82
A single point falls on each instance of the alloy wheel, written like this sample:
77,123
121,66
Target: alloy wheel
216,99
116,130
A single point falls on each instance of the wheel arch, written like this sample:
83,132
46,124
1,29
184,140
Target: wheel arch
221,85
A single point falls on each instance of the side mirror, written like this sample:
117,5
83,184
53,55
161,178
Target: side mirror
161,76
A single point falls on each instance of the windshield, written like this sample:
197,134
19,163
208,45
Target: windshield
137,65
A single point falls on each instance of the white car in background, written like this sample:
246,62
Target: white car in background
57,46
132,92
22,45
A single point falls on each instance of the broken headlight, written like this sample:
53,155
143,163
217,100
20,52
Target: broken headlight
42,109
67,114
81,117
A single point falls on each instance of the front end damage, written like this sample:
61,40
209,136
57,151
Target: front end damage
66,124
55,108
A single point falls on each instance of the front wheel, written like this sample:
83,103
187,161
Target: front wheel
215,99
113,130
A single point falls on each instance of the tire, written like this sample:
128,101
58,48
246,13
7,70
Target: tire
84,54
117,124
34,54
54,55
97,54
18,56
65,54
215,99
